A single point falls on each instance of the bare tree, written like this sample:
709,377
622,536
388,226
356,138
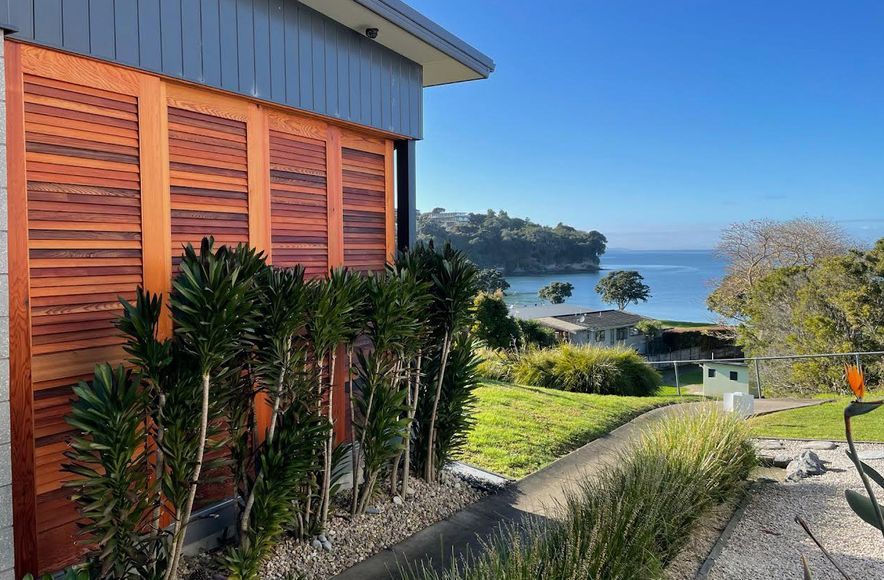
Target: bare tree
753,249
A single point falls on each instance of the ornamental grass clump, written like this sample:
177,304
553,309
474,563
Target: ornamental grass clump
585,369
630,521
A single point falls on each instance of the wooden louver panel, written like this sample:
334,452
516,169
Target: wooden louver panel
208,175
298,202
365,232
84,245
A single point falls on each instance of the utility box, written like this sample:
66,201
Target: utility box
743,404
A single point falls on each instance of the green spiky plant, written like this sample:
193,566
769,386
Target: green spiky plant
452,286
382,425
284,465
456,402
281,314
112,488
212,305
335,307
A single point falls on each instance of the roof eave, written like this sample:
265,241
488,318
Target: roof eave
444,58
422,27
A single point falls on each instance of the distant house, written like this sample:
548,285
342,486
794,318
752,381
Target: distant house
447,219
725,377
582,325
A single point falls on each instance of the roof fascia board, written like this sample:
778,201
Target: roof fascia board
428,31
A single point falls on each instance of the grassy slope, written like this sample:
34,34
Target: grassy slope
824,421
521,429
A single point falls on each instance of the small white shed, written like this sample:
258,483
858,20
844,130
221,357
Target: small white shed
725,377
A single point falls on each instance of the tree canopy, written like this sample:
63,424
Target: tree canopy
835,304
623,287
491,280
514,245
755,248
556,292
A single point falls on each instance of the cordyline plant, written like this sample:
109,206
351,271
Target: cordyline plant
336,303
452,285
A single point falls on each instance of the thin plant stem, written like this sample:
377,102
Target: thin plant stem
184,517
822,548
430,467
848,431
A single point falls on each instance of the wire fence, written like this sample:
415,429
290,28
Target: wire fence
757,360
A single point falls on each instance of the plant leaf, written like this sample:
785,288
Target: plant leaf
861,408
863,507
807,575
870,471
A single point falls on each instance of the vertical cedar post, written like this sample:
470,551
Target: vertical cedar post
258,159
21,402
335,213
406,194
156,216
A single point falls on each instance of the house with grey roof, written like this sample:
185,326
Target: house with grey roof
581,325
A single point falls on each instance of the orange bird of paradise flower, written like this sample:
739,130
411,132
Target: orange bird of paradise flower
856,380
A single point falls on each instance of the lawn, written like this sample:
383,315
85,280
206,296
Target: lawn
824,421
521,429
688,375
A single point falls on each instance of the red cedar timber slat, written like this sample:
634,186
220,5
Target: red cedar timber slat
335,198
21,398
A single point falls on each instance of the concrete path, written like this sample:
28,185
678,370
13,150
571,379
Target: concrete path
534,496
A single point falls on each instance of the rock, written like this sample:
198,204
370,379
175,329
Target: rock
409,491
820,445
317,545
805,465
768,444
372,511
322,538
870,455
781,460
327,546
397,500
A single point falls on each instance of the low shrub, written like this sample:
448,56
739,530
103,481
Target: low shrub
495,364
586,369
631,520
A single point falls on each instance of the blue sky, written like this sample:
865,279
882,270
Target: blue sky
659,122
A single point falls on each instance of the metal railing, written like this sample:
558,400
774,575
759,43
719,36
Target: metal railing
857,356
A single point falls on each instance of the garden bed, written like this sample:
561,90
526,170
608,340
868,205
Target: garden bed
355,539
767,542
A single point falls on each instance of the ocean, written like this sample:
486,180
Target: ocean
679,281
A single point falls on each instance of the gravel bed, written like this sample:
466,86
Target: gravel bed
354,540
701,539
768,543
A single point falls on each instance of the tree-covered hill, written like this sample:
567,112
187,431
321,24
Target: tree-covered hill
515,245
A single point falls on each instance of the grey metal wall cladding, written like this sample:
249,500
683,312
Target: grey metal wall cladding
276,50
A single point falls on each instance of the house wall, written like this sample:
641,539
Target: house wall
275,50
111,172
7,552
721,383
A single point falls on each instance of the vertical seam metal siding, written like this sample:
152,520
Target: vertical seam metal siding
276,50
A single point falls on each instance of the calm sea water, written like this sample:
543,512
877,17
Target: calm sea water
679,281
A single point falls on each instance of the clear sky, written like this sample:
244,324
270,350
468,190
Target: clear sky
657,122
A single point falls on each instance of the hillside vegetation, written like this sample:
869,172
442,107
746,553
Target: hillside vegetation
515,245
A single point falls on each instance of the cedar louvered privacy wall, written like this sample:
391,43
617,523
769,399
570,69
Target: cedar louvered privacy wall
110,172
